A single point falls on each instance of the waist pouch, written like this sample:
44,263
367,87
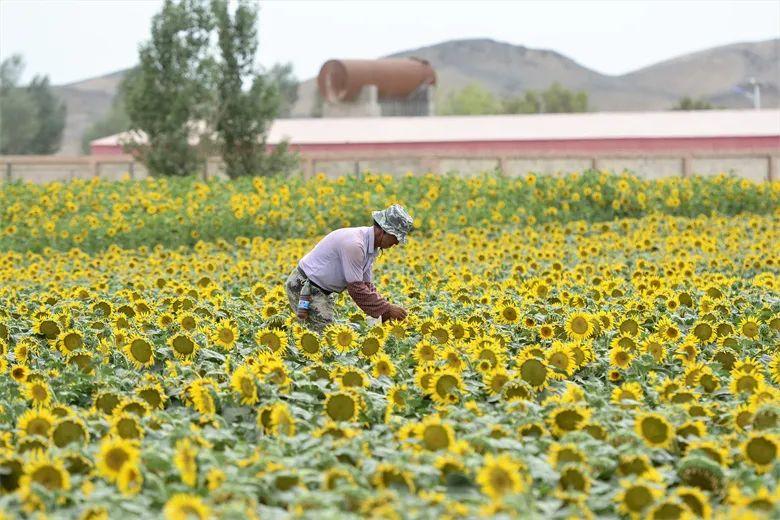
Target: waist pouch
325,291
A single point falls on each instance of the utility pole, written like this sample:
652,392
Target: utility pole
756,94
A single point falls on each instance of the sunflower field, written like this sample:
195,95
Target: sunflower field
587,346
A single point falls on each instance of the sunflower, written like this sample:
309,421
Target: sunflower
38,421
579,326
703,331
130,480
185,461
343,406
113,455
139,351
761,503
671,508
561,358
742,416
308,344
423,376
81,359
620,357
574,479
133,405
349,377
749,327
225,334
199,393
389,475
691,428
744,382
636,496
243,383
126,425
445,386
629,326
561,454
654,346
70,341
433,434
761,450
774,368
383,366
37,392
281,421
69,430
546,331
153,394
533,371
637,465
396,400
517,390
495,380
654,429
46,472
332,478
425,352
183,506
19,373
696,501
567,418
183,346
711,449
628,395
370,346
501,476
341,337
667,329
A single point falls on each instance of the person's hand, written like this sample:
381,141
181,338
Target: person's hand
394,313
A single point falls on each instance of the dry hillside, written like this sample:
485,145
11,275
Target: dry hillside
508,69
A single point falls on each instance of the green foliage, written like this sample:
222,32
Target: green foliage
528,103
181,211
476,100
281,75
243,118
116,120
186,90
171,90
688,103
556,99
31,118
471,100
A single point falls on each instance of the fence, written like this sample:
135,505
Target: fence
754,165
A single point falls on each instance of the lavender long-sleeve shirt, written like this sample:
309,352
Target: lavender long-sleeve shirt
343,257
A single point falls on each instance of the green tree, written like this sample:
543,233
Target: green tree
688,103
116,120
529,103
557,99
51,117
243,117
31,118
172,90
471,100
186,89
284,79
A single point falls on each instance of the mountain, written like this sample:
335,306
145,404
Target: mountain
507,69
87,101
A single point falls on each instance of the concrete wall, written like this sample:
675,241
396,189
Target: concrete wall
757,167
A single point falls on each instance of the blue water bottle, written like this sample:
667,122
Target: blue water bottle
304,301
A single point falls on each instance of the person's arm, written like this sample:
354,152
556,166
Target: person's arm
368,299
362,291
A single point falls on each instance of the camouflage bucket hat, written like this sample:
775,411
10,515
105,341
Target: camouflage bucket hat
395,220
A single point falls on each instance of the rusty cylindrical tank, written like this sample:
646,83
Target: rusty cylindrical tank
341,80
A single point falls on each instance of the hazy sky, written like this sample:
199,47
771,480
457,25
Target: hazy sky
71,40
